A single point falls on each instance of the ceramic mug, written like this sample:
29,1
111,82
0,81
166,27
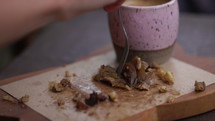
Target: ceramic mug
152,30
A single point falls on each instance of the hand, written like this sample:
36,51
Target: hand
72,8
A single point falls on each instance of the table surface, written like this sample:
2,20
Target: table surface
61,43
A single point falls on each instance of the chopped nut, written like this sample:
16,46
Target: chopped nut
24,99
137,62
174,92
199,86
160,73
81,106
9,99
162,89
56,87
93,100
143,86
68,74
113,96
65,82
60,102
170,99
168,78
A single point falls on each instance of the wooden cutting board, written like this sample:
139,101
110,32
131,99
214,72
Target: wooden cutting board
184,106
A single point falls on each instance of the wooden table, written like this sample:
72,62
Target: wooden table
62,43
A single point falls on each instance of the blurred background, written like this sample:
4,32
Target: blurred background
10,52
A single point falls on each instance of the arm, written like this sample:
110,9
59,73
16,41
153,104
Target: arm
19,17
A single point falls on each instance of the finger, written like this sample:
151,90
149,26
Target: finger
92,4
114,6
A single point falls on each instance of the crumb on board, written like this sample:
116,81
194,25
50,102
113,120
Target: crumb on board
92,100
168,78
81,106
24,99
68,74
9,99
59,87
170,99
174,92
74,75
162,89
143,86
60,101
65,82
113,96
95,98
77,97
199,86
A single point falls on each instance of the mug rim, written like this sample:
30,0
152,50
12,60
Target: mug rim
150,7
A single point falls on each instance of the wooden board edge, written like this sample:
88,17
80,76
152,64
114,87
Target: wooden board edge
188,105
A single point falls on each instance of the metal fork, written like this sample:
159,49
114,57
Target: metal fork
126,47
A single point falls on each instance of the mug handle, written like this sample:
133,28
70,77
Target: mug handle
114,6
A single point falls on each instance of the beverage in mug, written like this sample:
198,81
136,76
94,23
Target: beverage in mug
151,26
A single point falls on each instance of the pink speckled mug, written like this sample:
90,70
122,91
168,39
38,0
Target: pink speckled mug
152,29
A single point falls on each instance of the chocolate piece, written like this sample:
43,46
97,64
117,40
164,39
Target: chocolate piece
81,106
130,74
92,100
